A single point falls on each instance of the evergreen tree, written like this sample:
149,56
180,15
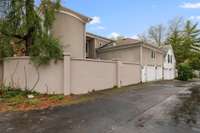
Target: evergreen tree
186,42
191,36
26,28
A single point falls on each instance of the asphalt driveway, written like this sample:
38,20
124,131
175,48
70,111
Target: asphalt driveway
138,109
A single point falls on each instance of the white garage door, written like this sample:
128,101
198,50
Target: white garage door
169,74
151,73
159,74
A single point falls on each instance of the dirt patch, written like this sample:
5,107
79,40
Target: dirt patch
188,110
17,100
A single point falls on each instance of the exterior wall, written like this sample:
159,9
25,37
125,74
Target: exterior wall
71,34
20,73
130,74
169,68
89,75
151,73
159,73
99,43
127,55
69,76
1,72
148,60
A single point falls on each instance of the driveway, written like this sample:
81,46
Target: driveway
146,108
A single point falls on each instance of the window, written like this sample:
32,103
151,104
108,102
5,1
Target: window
153,55
170,59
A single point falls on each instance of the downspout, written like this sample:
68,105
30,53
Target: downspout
163,68
141,62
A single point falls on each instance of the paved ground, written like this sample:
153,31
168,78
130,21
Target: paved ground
138,109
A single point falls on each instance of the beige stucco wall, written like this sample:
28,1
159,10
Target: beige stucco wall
1,72
70,76
20,73
70,31
130,74
89,75
133,55
148,60
128,55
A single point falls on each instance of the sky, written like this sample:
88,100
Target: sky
129,18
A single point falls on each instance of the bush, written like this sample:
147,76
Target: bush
184,72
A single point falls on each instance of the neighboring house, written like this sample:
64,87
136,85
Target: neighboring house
169,65
70,29
94,42
130,50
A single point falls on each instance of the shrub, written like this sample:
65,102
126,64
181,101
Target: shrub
184,72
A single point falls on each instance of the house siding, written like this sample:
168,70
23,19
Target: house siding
148,60
128,55
70,32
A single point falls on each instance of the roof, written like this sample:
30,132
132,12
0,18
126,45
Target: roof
75,14
127,41
88,34
166,48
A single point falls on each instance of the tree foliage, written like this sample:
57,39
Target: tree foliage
184,36
25,30
184,72
186,42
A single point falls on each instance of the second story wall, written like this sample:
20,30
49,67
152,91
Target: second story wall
128,55
152,57
70,32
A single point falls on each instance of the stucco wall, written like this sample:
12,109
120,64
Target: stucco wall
70,76
88,75
130,74
148,60
19,72
169,68
70,31
128,55
1,72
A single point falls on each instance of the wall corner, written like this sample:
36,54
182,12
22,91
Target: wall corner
119,65
67,74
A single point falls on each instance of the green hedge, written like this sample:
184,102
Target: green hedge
184,72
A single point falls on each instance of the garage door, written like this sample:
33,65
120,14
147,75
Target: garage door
159,73
169,74
151,73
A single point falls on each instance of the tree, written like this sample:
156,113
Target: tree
156,35
191,36
27,28
185,39
194,62
175,39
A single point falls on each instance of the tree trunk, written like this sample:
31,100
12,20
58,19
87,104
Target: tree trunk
28,44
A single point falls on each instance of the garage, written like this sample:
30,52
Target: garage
169,73
151,73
